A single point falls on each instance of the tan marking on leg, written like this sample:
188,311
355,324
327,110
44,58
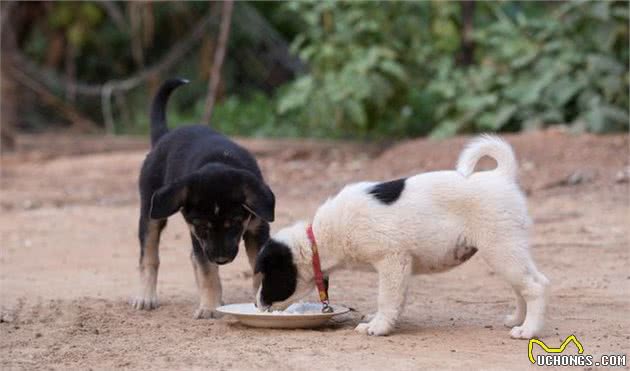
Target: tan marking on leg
209,286
149,265
257,277
252,252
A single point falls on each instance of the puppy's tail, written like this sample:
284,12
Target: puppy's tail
492,146
158,113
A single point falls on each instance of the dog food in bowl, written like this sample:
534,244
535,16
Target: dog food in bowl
298,315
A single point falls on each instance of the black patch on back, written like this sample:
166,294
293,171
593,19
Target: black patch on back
468,254
279,281
388,192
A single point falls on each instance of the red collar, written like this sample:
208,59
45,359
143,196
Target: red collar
317,269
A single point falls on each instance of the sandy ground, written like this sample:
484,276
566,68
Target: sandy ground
69,253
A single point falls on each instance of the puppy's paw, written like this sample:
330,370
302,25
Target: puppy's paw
376,327
512,320
148,302
362,328
206,313
523,332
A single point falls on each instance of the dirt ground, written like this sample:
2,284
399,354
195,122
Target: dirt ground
69,252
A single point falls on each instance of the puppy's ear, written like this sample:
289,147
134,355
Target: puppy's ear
265,257
259,199
167,200
259,265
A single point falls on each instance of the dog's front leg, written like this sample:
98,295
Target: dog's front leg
393,279
256,235
149,233
208,283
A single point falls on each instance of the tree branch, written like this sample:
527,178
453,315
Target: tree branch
115,14
51,79
76,118
219,56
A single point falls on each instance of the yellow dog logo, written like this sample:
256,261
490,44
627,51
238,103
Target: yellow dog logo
544,346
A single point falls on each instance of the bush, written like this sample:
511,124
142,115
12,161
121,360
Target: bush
388,68
563,68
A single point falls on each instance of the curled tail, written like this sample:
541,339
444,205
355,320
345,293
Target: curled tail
492,146
158,113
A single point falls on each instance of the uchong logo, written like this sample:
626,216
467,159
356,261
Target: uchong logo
561,349
555,358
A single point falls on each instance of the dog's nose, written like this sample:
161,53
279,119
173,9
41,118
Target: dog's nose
222,260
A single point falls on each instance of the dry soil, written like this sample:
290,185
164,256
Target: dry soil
69,253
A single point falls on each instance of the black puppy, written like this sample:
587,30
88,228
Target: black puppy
219,190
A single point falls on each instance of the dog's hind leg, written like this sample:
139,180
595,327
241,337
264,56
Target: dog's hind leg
393,278
512,261
149,234
255,237
208,282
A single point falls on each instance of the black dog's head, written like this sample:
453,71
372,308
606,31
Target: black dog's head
286,266
279,273
217,201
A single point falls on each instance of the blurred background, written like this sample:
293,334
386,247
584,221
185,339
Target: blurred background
317,69
282,78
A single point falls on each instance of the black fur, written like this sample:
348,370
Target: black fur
468,254
215,183
279,273
158,108
388,192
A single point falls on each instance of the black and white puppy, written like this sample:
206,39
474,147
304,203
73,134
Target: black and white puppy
427,223
220,191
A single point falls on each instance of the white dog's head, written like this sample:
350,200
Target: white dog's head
285,263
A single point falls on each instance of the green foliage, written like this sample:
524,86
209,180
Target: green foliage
357,74
389,68
374,69
564,68
254,116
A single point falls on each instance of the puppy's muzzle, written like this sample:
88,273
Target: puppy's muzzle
222,260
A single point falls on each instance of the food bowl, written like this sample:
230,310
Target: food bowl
299,315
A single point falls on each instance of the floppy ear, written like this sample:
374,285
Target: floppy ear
259,199
167,200
259,265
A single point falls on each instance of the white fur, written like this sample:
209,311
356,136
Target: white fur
437,217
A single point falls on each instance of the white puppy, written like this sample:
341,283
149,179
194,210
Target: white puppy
427,223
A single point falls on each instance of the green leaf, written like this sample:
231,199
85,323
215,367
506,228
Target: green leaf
494,121
616,118
599,63
356,112
476,102
76,34
446,129
61,14
563,90
528,89
296,96
601,10
595,120
394,69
